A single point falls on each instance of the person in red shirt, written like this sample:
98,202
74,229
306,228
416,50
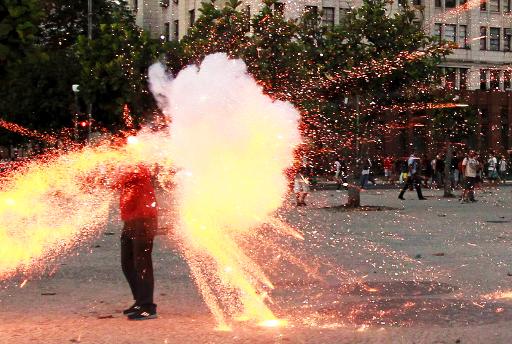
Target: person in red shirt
139,214
388,168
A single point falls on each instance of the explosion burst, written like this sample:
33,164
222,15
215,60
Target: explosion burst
231,145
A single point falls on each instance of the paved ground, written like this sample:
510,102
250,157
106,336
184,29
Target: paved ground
412,272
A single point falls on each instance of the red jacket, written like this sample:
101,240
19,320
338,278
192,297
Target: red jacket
137,199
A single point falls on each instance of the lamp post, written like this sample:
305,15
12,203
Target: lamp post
89,35
76,89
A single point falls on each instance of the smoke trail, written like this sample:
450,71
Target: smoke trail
230,144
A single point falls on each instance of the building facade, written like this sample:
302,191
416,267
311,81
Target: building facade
480,66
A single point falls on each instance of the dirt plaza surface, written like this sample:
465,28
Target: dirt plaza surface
433,271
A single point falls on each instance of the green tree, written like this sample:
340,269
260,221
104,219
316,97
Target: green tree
114,66
217,30
19,20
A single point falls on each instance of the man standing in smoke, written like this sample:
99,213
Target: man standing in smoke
139,214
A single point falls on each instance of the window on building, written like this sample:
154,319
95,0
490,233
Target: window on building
328,16
494,38
135,5
463,78
483,5
191,17
449,33
463,37
417,23
164,3
507,79
483,79
438,3
416,2
450,77
438,31
176,29
462,2
167,31
402,3
494,78
506,6
279,8
494,5
483,38
507,39
450,3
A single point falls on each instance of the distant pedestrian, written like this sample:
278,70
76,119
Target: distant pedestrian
337,173
388,168
470,166
413,178
503,166
365,173
301,184
492,169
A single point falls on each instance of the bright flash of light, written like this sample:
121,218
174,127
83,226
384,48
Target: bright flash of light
230,144
273,323
54,204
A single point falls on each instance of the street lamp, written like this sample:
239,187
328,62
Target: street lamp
76,89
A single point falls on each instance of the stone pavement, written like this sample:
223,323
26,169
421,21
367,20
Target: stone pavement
411,271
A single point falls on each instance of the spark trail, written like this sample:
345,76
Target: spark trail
52,205
231,144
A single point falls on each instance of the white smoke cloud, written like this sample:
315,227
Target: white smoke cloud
232,141
231,145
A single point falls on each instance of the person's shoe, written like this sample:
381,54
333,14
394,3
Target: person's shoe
132,310
401,197
145,313
422,199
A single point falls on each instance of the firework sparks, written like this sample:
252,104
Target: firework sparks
231,144
55,203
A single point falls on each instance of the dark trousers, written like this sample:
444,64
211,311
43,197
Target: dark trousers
412,180
136,250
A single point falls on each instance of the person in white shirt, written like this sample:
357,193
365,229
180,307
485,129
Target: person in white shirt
470,167
492,169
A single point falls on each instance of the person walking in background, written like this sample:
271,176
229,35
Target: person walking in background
404,172
365,173
337,172
439,170
492,169
413,178
503,165
139,214
454,171
388,168
470,167
301,184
